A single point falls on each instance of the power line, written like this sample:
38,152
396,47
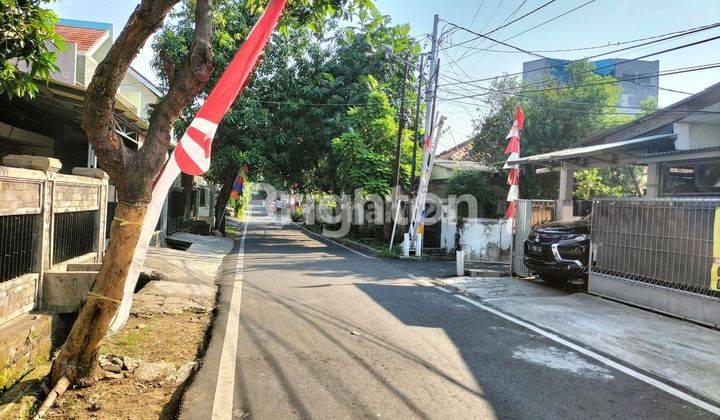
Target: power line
644,76
594,47
550,20
534,27
703,28
477,12
495,40
537,98
634,79
521,17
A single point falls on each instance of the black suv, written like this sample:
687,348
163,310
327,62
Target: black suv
559,251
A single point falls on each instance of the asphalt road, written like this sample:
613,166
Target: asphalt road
327,333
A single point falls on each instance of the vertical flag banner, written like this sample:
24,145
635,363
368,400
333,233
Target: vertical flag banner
237,188
192,154
513,152
429,148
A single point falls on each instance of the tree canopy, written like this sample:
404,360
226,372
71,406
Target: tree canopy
558,114
27,30
364,155
300,96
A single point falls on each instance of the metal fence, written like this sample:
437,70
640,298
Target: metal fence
73,234
529,213
177,224
663,242
16,246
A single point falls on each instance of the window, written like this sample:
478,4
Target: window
691,178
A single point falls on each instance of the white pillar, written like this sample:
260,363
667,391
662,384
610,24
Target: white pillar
406,245
460,263
653,180
564,204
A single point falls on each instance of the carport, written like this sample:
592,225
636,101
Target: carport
656,250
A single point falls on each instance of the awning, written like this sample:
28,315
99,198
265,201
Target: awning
600,150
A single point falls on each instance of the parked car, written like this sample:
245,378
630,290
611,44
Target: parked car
559,251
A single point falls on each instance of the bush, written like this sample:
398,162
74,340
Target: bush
297,214
476,184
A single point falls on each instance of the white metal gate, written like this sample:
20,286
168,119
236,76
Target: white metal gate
524,222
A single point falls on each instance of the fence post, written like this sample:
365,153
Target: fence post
100,220
460,263
406,245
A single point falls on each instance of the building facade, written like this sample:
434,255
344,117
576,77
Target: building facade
638,78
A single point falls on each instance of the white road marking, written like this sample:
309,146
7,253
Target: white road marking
225,384
589,353
443,289
338,244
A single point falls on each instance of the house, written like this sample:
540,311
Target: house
441,235
661,250
49,124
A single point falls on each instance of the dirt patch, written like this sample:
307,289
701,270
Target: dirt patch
176,339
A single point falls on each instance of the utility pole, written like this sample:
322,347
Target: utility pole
395,182
419,204
401,127
416,137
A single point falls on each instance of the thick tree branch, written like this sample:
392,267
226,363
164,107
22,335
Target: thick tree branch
100,97
184,85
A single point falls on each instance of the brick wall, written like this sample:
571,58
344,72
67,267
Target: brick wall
17,297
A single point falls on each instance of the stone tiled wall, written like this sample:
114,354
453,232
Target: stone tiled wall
17,297
30,185
74,197
19,197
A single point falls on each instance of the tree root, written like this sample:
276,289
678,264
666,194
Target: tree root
60,387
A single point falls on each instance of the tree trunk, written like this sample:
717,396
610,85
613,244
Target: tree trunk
132,171
223,198
77,360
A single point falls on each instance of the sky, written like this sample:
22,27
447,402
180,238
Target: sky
597,23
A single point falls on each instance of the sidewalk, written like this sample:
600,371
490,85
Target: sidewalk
674,350
188,277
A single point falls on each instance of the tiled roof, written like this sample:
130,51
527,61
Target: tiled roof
461,165
85,38
458,152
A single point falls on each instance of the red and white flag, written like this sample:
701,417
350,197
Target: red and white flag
513,152
192,154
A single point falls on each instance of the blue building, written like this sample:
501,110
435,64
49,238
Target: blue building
639,78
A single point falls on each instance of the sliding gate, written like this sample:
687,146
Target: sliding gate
529,213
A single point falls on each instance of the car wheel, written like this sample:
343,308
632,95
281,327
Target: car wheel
553,280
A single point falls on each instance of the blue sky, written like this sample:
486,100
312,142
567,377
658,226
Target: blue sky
598,23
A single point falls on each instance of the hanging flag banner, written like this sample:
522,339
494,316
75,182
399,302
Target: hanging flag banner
513,152
192,154
237,188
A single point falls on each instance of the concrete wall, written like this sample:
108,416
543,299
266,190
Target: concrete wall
486,240
32,186
695,135
636,88
139,94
